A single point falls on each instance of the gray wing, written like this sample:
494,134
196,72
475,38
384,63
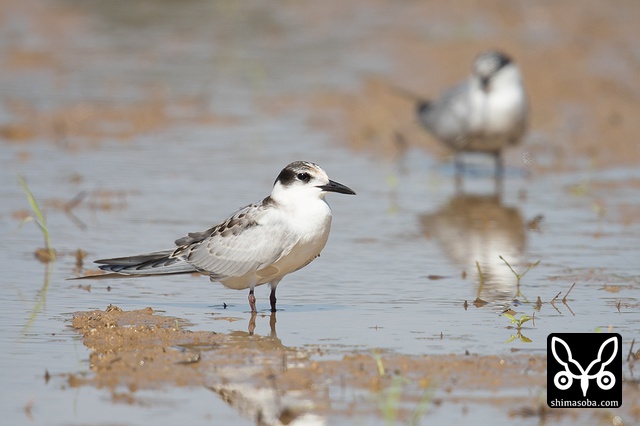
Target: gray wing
251,239
448,116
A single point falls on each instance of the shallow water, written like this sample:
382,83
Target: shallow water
400,263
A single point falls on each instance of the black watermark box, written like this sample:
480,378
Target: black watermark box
584,370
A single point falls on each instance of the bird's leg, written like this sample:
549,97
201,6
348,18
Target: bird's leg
272,299
499,172
459,165
459,171
252,300
499,164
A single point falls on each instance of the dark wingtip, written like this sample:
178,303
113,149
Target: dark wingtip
422,106
112,268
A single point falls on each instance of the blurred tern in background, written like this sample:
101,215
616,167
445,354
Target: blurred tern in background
485,113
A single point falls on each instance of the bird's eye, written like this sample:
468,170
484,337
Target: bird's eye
304,177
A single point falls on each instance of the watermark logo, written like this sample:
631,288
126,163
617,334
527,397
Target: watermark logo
584,370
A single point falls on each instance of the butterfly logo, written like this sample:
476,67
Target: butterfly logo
564,379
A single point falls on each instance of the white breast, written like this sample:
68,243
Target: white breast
309,224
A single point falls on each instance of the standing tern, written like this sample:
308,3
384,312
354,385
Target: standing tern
485,113
258,244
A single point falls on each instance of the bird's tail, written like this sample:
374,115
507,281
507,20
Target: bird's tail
422,105
158,263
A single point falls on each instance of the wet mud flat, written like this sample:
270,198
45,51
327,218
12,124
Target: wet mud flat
107,97
272,384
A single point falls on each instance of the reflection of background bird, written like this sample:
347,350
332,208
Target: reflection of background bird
472,228
485,113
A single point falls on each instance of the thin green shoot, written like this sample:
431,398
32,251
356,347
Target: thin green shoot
521,275
390,397
480,275
390,401
41,301
479,301
379,363
39,219
423,405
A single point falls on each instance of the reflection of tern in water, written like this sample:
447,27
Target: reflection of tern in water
272,324
479,228
257,388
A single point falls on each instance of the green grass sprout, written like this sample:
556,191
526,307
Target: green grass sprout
518,323
394,388
48,254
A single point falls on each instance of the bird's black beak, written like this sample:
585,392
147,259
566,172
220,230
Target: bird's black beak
337,187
